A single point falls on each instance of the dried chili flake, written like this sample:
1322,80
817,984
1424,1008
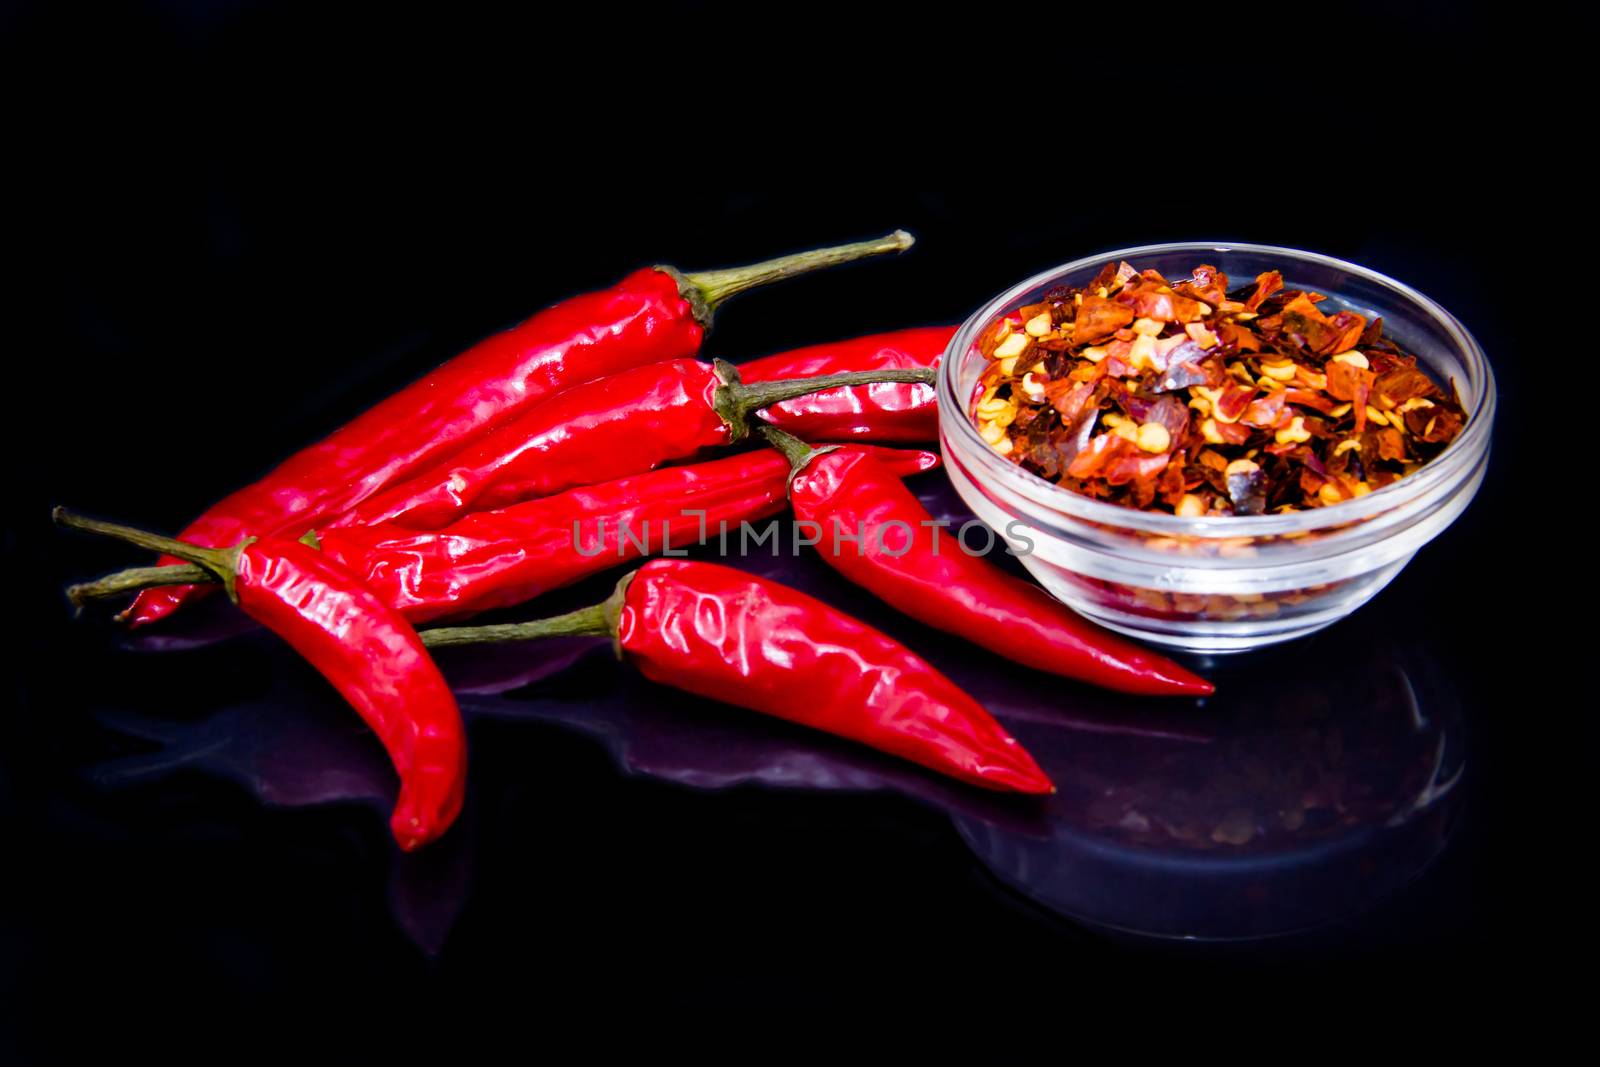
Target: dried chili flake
1238,338
1149,298
1246,487
1183,370
1267,283
1098,318
1207,284
1186,397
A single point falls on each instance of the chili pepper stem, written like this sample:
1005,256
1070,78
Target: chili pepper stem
737,400
222,563
596,620
135,579
706,290
796,451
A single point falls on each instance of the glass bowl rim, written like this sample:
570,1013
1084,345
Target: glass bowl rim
1455,462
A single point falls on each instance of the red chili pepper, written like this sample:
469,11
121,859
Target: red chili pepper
936,581
493,559
884,412
371,655
650,315
730,636
625,424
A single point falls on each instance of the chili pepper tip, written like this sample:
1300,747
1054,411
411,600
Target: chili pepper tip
1171,679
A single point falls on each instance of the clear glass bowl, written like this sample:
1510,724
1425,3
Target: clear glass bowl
1231,583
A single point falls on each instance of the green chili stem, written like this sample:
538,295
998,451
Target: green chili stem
136,579
709,288
596,620
737,400
217,560
589,621
796,451
223,563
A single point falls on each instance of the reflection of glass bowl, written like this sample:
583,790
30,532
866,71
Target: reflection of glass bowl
1310,801
1237,582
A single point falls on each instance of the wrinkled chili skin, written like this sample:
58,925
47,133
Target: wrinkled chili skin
377,663
642,319
612,427
495,559
961,594
729,636
886,412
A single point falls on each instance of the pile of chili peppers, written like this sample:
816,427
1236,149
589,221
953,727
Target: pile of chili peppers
651,315
540,457
1191,398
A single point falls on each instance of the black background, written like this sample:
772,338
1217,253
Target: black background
237,224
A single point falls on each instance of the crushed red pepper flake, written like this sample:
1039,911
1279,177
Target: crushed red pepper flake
1188,397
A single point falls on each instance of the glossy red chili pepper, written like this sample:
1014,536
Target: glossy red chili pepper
626,424
884,412
650,315
493,559
363,647
897,553
724,634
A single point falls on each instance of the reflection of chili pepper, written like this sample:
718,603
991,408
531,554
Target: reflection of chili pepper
940,584
720,633
493,559
650,315
369,653
625,424
886,412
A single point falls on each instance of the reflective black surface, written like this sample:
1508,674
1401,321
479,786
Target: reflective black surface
1318,779
226,255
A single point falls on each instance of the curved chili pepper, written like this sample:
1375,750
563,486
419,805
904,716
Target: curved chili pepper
940,584
654,314
730,636
493,559
371,655
625,424
884,412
